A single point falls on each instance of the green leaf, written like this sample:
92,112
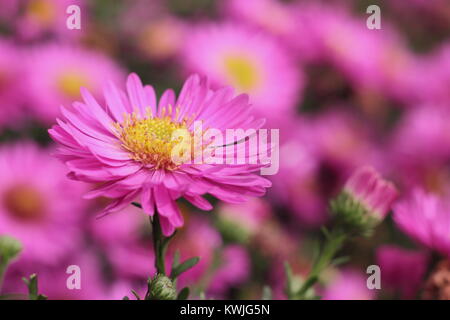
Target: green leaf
176,259
184,294
289,279
340,260
32,284
135,294
306,286
188,264
138,205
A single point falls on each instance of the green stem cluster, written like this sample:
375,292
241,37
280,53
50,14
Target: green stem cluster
334,241
163,286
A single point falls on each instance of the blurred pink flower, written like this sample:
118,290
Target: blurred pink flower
53,281
10,8
233,270
426,218
423,135
247,217
316,155
402,270
11,89
432,78
252,62
297,184
121,236
98,145
38,205
374,193
377,62
348,285
41,18
57,72
419,149
272,16
157,34
198,239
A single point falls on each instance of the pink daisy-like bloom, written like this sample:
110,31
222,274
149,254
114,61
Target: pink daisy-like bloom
11,94
249,61
156,33
48,17
270,15
348,285
10,8
191,243
120,237
426,218
375,194
127,147
57,72
234,269
403,270
37,203
52,281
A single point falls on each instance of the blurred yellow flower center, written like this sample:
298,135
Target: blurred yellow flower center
242,72
151,140
42,10
24,203
69,83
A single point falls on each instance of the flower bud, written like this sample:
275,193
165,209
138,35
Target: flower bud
364,201
162,288
9,248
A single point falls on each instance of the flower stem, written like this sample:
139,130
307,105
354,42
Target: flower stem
159,244
333,243
3,266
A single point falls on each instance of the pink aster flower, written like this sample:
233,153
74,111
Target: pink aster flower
127,147
403,270
11,94
57,72
426,218
156,33
250,61
120,237
348,285
52,281
191,243
270,15
41,18
368,188
38,204
233,270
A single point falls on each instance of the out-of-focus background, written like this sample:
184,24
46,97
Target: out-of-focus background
341,94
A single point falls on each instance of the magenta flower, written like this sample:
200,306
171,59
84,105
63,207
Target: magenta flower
38,205
403,270
348,285
426,218
57,72
40,18
11,87
127,146
234,269
371,191
251,62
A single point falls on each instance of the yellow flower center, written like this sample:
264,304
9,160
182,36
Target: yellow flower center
151,141
242,72
42,10
69,83
24,203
